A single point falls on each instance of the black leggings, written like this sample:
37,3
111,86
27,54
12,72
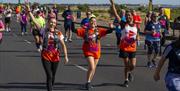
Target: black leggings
50,69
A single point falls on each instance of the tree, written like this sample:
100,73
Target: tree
83,8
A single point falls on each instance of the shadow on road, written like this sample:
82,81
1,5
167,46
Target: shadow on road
103,65
58,86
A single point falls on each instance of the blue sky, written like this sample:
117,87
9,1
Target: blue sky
172,2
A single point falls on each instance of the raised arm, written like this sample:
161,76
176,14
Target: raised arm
32,17
115,11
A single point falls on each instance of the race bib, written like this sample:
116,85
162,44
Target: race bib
163,23
156,35
93,47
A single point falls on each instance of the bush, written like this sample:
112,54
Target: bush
83,8
175,13
61,8
142,9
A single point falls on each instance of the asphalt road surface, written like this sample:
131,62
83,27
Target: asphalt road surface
21,68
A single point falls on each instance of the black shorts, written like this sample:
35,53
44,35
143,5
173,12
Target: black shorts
7,20
153,45
123,54
36,32
69,26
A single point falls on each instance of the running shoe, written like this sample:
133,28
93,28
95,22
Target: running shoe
22,33
26,33
70,40
88,86
126,83
39,50
130,77
149,65
154,63
65,39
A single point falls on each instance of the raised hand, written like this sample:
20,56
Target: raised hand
112,1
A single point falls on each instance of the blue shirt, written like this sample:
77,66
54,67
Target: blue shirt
153,27
117,26
123,18
85,22
67,15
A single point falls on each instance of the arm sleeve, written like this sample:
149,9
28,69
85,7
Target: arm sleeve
102,32
80,32
61,36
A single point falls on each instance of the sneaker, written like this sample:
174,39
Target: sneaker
7,30
149,65
65,39
130,77
126,83
154,63
22,33
40,47
70,40
88,86
39,50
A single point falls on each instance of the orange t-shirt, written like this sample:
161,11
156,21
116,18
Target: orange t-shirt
137,18
128,39
92,47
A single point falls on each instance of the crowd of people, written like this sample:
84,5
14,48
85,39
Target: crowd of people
48,39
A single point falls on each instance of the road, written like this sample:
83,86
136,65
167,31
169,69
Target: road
21,68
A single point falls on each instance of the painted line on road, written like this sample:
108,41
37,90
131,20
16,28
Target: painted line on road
15,35
27,41
80,67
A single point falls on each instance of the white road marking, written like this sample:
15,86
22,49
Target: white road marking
15,35
80,67
27,41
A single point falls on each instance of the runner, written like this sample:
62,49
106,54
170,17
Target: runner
164,21
1,29
85,21
152,40
68,24
118,25
1,10
56,11
35,30
8,14
18,10
23,22
137,21
51,14
172,78
146,21
50,55
91,46
128,44
147,18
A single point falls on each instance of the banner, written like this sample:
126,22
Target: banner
167,12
